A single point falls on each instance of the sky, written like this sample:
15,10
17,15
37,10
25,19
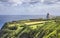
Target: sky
29,7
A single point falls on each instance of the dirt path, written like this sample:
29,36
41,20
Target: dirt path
30,23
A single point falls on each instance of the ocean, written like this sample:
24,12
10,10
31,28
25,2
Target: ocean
9,18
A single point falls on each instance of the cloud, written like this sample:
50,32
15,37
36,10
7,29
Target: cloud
11,2
28,2
29,7
49,1
19,2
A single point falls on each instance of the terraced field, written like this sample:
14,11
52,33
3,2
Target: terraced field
31,29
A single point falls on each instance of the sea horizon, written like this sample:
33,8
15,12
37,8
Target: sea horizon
10,18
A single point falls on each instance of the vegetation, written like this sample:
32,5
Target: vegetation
31,29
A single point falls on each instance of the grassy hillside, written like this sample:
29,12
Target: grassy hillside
31,29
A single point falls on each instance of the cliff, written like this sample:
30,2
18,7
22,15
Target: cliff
31,29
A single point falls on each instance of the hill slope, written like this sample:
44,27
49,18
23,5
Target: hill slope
31,29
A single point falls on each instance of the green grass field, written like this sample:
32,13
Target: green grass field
31,29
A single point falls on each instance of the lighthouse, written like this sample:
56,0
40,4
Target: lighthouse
47,16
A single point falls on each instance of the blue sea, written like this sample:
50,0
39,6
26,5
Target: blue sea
9,18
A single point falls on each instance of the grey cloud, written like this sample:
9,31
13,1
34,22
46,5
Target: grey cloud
4,0
16,2
50,1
